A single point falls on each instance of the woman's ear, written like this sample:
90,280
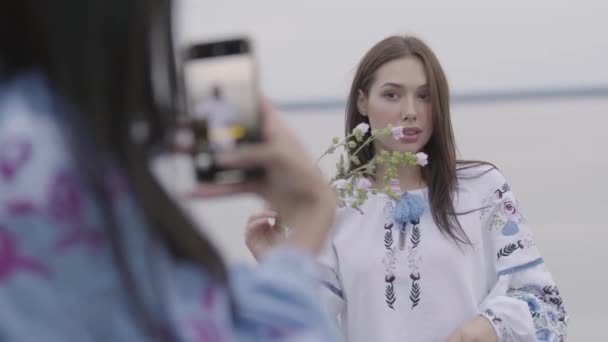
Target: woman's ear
362,103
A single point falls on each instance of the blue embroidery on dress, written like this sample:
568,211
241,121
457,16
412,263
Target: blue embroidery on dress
333,289
510,228
547,311
406,211
520,267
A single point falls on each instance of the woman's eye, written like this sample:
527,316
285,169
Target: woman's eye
423,96
391,95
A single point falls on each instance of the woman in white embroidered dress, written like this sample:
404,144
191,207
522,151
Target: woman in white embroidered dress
453,259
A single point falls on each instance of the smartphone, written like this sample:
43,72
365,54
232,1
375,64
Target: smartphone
221,87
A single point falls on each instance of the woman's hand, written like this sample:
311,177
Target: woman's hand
478,329
263,233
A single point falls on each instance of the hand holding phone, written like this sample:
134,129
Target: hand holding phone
292,184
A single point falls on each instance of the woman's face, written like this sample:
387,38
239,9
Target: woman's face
399,96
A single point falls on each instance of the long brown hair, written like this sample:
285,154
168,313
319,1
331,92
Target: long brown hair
440,175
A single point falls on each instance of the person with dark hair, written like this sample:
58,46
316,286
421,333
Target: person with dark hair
92,248
453,257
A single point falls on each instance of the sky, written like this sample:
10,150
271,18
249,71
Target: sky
307,50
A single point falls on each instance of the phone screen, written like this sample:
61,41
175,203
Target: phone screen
221,89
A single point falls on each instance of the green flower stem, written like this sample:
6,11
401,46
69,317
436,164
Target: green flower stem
336,146
385,160
367,142
350,173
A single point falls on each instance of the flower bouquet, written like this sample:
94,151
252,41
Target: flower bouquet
353,184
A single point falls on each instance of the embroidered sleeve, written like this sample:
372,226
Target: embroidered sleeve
331,287
524,304
527,306
278,301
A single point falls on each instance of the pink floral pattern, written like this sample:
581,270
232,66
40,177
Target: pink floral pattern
65,207
204,328
11,260
20,208
13,155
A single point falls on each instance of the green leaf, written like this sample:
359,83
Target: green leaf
335,140
355,160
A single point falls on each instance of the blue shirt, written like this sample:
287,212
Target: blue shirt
59,282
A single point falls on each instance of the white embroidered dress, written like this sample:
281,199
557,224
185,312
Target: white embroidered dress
383,287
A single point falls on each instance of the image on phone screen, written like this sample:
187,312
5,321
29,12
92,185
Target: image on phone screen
222,94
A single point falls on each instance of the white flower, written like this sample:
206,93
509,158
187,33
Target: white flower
272,221
363,184
422,159
340,183
362,127
397,132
